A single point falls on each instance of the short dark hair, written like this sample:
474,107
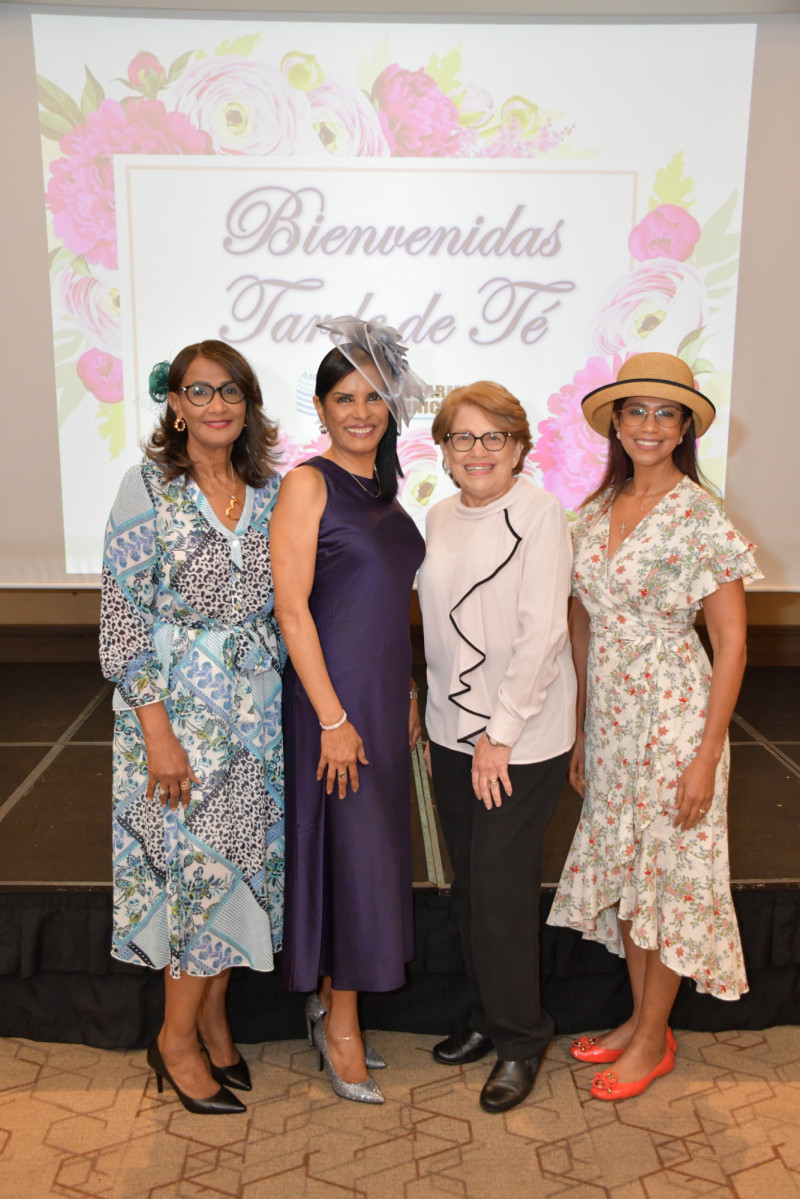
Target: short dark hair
254,452
335,367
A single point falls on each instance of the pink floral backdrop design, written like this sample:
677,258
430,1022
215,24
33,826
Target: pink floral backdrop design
223,100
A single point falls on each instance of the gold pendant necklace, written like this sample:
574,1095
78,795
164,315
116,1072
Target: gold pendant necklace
230,510
373,495
659,495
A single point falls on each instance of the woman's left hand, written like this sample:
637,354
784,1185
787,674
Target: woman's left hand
490,772
695,792
414,724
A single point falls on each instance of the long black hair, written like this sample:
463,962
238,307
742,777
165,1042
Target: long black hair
619,467
253,453
333,368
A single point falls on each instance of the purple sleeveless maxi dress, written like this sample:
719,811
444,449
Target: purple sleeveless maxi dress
348,862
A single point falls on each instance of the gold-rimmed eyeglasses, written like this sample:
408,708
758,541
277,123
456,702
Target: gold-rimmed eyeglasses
669,417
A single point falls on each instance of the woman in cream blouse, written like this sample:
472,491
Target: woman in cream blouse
500,716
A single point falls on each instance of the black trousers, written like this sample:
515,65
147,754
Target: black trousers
497,860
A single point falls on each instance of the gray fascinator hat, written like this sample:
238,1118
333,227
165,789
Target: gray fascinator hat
401,390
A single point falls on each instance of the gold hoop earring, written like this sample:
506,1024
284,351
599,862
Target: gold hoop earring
180,424
323,428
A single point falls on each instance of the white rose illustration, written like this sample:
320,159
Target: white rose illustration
652,308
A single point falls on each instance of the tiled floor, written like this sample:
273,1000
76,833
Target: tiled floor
78,1122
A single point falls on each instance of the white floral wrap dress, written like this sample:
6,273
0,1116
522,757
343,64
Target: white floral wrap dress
187,619
648,680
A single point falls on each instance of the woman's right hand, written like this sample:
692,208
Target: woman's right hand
577,764
167,768
340,752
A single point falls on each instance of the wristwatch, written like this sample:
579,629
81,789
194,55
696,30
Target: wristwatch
497,744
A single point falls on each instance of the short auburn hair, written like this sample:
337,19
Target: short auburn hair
497,403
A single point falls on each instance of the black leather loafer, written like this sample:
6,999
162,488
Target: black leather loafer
462,1047
508,1084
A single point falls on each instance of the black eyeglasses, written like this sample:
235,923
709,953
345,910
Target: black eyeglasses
462,442
637,414
201,394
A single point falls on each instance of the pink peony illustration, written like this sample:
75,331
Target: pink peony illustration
417,447
101,374
652,308
94,308
144,70
570,455
418,119
345,121
669,231
291,452
245,107
81,190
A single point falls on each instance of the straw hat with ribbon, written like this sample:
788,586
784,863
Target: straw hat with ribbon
653,377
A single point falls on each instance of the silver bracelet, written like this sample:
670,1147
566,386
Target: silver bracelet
413,693
327,727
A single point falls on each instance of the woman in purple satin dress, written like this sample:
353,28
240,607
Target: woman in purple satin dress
344,556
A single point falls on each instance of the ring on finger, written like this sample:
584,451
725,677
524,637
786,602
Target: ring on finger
342,774
186,785
493,782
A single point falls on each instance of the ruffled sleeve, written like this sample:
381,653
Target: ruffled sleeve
717,553
127,653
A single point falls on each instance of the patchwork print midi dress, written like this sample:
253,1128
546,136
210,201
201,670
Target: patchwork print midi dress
648,680
187,619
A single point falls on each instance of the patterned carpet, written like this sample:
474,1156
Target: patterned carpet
83,1123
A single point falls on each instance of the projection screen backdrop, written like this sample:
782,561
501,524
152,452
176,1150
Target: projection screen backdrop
530,204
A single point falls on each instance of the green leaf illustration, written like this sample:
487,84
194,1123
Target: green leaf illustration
57,101
54,126
716,244
716,293
55,256
445,70
240,45
721,273
701,366
71,392
111,423
179,66
93,94
690,339
66,344
671,186
371,65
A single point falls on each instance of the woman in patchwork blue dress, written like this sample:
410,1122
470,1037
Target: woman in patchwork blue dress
647,874
188,636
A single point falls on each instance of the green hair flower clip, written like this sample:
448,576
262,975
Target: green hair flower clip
158,382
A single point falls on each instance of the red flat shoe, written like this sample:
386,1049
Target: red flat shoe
586,1049
606,1086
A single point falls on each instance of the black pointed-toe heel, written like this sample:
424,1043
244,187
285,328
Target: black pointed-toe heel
236,1076
221,1103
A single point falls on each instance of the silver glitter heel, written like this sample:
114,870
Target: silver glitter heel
315,1011
361,1092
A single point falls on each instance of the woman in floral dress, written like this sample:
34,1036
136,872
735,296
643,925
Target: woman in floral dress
647,874
188,636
